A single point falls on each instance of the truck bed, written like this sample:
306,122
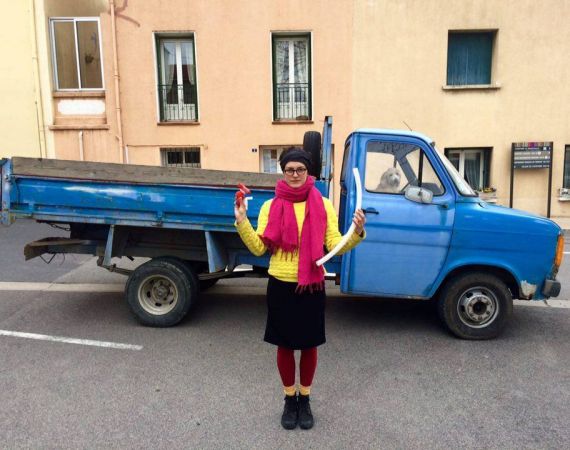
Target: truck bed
115,210
137,174
61,191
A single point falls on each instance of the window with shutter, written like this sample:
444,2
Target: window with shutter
469,58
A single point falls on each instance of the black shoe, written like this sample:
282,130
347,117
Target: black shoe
306,420
290,413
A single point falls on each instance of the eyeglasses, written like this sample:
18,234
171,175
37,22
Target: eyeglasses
298,171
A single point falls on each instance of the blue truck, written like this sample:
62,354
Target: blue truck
429,235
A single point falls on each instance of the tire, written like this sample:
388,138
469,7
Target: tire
312,145
475,306
161,292
186,266
190,268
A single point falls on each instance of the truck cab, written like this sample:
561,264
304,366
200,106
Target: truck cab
429,235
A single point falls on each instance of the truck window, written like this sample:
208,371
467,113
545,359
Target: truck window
429,178
392,166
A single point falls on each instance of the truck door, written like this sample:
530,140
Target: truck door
406,242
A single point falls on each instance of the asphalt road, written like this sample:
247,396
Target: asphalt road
389,375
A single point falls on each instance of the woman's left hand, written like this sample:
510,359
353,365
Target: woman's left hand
359,220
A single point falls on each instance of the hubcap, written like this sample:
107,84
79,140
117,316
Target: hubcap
478,307
158,295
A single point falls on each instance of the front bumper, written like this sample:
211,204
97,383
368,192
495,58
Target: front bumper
551,288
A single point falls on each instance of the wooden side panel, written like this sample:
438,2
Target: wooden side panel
127,173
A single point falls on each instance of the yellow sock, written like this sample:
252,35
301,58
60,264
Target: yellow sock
304,390
290,390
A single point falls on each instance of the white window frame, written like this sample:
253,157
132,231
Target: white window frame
74,20
192,107
279,149
462,154
157,38
291,35
292,40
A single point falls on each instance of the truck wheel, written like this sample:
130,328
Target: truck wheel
312,145
161,292
475,305
189,267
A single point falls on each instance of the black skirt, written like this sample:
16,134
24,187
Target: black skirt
294,321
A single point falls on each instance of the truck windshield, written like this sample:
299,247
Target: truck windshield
461,185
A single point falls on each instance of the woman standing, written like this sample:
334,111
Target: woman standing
294,227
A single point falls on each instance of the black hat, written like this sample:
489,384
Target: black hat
295,154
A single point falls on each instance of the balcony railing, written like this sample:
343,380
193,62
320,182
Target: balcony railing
178,102
293,101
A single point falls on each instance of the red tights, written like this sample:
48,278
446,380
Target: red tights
286,365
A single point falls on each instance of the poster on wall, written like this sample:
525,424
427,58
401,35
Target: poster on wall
532,155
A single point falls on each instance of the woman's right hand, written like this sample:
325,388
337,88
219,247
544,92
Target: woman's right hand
240,212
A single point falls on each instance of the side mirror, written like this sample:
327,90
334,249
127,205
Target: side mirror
418,194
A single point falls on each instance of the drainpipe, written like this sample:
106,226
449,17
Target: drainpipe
37,85
81,154
116,79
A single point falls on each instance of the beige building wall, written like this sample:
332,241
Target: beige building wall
27,82
400,66
375,63
19,130
89,134
234,73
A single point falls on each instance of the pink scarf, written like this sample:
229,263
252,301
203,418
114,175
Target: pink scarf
282,231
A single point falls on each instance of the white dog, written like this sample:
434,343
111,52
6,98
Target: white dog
389,181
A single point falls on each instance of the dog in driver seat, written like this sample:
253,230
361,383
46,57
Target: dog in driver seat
389,181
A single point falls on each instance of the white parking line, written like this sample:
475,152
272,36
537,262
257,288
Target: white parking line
45,337
61,287
551,303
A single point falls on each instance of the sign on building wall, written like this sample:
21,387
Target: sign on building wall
532,155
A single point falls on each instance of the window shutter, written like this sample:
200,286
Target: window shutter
469,58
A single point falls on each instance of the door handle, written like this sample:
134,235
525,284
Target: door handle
370,211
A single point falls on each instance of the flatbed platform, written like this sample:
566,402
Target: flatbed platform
138,174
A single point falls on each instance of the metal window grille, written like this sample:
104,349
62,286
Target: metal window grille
177,102
292,101
181,157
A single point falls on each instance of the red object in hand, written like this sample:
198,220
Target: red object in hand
243,191
244,188
239,198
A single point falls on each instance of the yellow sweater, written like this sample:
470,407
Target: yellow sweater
280,267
